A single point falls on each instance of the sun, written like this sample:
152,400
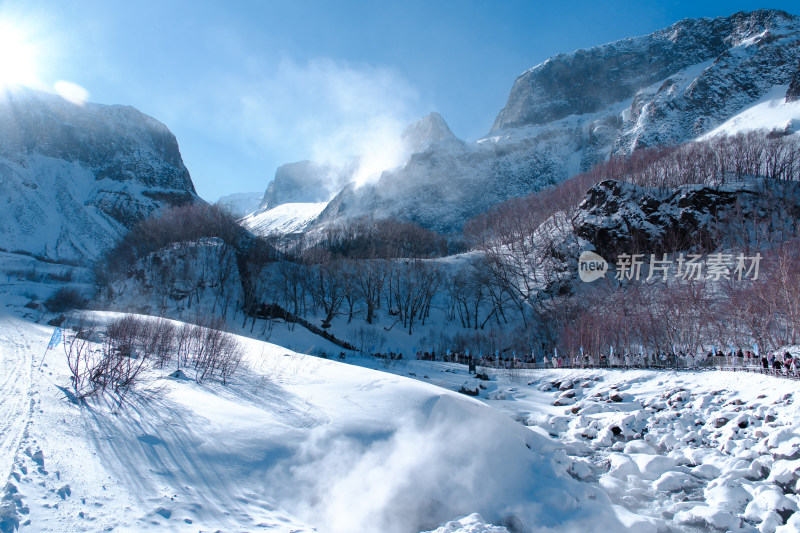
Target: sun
18,57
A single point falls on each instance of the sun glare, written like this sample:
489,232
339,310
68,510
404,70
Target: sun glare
18,58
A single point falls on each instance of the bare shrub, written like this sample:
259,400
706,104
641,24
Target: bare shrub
162,341
125,354
218,353
79,358
131,345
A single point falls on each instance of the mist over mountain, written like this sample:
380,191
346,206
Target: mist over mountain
573,111
241,204
75,178
303,188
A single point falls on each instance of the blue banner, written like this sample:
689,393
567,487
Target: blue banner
55,339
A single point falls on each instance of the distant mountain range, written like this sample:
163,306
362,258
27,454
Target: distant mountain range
75,178
694,78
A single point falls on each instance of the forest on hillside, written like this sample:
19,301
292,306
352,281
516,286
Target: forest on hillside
508,282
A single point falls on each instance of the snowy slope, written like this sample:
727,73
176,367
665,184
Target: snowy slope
772,113
283,219
294,442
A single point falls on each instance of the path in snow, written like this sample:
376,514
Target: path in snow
16,366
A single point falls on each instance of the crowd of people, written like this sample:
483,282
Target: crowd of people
768,363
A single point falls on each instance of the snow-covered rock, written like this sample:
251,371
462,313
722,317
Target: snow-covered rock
767,500
469,524
674,481
707,516
614,215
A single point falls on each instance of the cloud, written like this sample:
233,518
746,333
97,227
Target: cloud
324,110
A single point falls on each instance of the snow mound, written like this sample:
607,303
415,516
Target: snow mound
469,524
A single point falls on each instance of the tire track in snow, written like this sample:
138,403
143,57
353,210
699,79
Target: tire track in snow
16,364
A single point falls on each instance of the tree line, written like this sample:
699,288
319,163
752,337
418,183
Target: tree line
514,289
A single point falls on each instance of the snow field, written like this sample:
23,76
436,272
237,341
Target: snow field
301,443
292,444
676,451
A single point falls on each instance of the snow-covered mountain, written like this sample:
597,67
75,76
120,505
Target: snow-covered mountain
576,109
300,192
74,178
304,181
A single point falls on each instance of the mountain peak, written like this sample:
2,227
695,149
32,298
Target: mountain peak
428,130
589,80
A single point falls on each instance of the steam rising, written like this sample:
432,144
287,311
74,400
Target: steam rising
450,460
328,112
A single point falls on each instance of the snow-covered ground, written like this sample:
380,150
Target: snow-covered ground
674,451
293,443
301,443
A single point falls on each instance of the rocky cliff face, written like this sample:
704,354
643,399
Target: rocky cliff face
588,81
577,109
426,132
623,218
75,178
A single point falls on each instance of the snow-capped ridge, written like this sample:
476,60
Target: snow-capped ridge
586,80
284,219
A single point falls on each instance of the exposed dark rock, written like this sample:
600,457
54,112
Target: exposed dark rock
719,422
623,218
793,94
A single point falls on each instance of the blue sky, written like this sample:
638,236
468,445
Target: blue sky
249,85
